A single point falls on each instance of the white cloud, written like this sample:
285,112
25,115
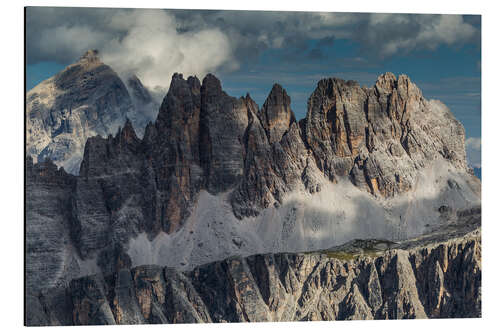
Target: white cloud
69,39
153,49
448,29
413,32
473,149
145,42
156,43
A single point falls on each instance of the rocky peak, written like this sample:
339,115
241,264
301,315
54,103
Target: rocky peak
138,90
105,156
373,134
211,82
223,121
85,99
386,83
211,89
276,114
194,83
251,105
90,57
127,134
398,91
177,79
46,172
404,83
181,101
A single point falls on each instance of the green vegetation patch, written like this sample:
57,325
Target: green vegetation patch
358,249
340,255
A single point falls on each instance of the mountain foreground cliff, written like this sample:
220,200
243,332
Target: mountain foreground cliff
437,276
216,182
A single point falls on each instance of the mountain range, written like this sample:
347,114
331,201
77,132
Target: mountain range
253,213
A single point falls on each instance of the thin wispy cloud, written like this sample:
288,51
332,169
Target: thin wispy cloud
473,149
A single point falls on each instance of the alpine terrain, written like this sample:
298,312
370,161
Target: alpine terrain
220,210
85,99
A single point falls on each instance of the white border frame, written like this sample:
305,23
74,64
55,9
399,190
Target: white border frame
12,141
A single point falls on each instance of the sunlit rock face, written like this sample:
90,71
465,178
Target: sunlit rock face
381,136
216,176
87,98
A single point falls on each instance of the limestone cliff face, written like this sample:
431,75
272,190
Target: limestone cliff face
437,279
380,136
216,176
171,146
276,114
48,212
275,156
202,139
86,99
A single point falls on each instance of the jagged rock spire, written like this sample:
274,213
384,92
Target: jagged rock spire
91,56
276,114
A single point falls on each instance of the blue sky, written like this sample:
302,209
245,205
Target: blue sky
450,75
250,51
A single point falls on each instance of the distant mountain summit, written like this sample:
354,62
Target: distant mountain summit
87,98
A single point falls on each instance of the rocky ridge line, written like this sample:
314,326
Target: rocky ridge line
204,140
378,137
437,279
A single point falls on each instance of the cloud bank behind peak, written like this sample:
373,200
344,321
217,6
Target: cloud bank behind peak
143,42
156,43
